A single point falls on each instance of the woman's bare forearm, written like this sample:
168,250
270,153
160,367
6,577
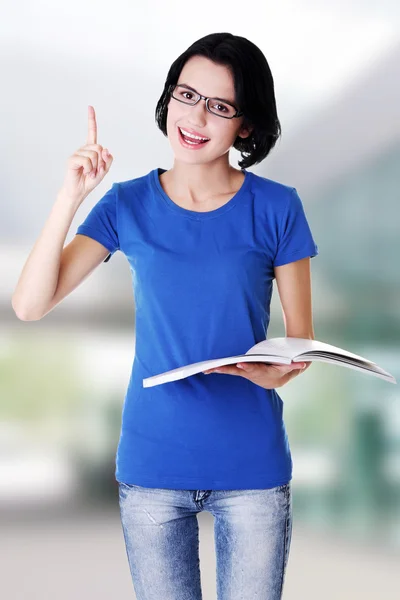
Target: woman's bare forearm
38,280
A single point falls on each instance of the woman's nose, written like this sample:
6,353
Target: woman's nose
199,113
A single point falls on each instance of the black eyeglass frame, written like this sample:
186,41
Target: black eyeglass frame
172,87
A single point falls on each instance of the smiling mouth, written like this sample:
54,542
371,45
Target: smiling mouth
192,141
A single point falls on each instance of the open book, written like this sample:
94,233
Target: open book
283,350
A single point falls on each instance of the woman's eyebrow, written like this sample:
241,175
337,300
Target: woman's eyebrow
216,97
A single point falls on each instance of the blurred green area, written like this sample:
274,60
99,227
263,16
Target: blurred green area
341,426
36,378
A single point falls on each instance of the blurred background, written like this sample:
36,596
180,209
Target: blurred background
336,67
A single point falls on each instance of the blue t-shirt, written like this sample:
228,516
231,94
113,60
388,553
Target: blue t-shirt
202,283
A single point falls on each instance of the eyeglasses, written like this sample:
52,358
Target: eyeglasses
216,106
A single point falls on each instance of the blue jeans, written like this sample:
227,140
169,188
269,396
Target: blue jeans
252,533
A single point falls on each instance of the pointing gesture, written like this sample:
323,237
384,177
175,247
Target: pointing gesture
88,165
92,127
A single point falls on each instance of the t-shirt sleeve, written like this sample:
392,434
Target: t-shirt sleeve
101,223
295,240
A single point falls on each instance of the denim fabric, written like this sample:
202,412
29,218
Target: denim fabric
252,534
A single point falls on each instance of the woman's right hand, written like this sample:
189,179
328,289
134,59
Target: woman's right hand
88,165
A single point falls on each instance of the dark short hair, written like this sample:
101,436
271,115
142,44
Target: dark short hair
254,91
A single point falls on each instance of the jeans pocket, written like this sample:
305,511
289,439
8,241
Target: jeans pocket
129,486
283,493
284,487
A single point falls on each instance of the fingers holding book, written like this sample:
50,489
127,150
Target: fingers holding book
267,376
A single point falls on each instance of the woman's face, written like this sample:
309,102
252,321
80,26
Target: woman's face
210,80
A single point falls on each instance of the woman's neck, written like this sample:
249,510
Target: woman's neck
199,185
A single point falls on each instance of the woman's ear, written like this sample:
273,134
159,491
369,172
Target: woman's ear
245,131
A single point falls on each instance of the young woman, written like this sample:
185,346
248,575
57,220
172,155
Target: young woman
204,241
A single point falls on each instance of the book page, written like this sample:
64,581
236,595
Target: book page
292,348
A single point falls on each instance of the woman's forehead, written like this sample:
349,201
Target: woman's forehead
208,79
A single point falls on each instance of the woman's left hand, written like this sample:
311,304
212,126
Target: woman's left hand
267,376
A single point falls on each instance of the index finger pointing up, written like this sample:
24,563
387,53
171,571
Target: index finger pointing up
92,126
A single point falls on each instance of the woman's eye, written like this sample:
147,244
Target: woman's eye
183,93
222,106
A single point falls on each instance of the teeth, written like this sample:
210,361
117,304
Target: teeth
195,137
